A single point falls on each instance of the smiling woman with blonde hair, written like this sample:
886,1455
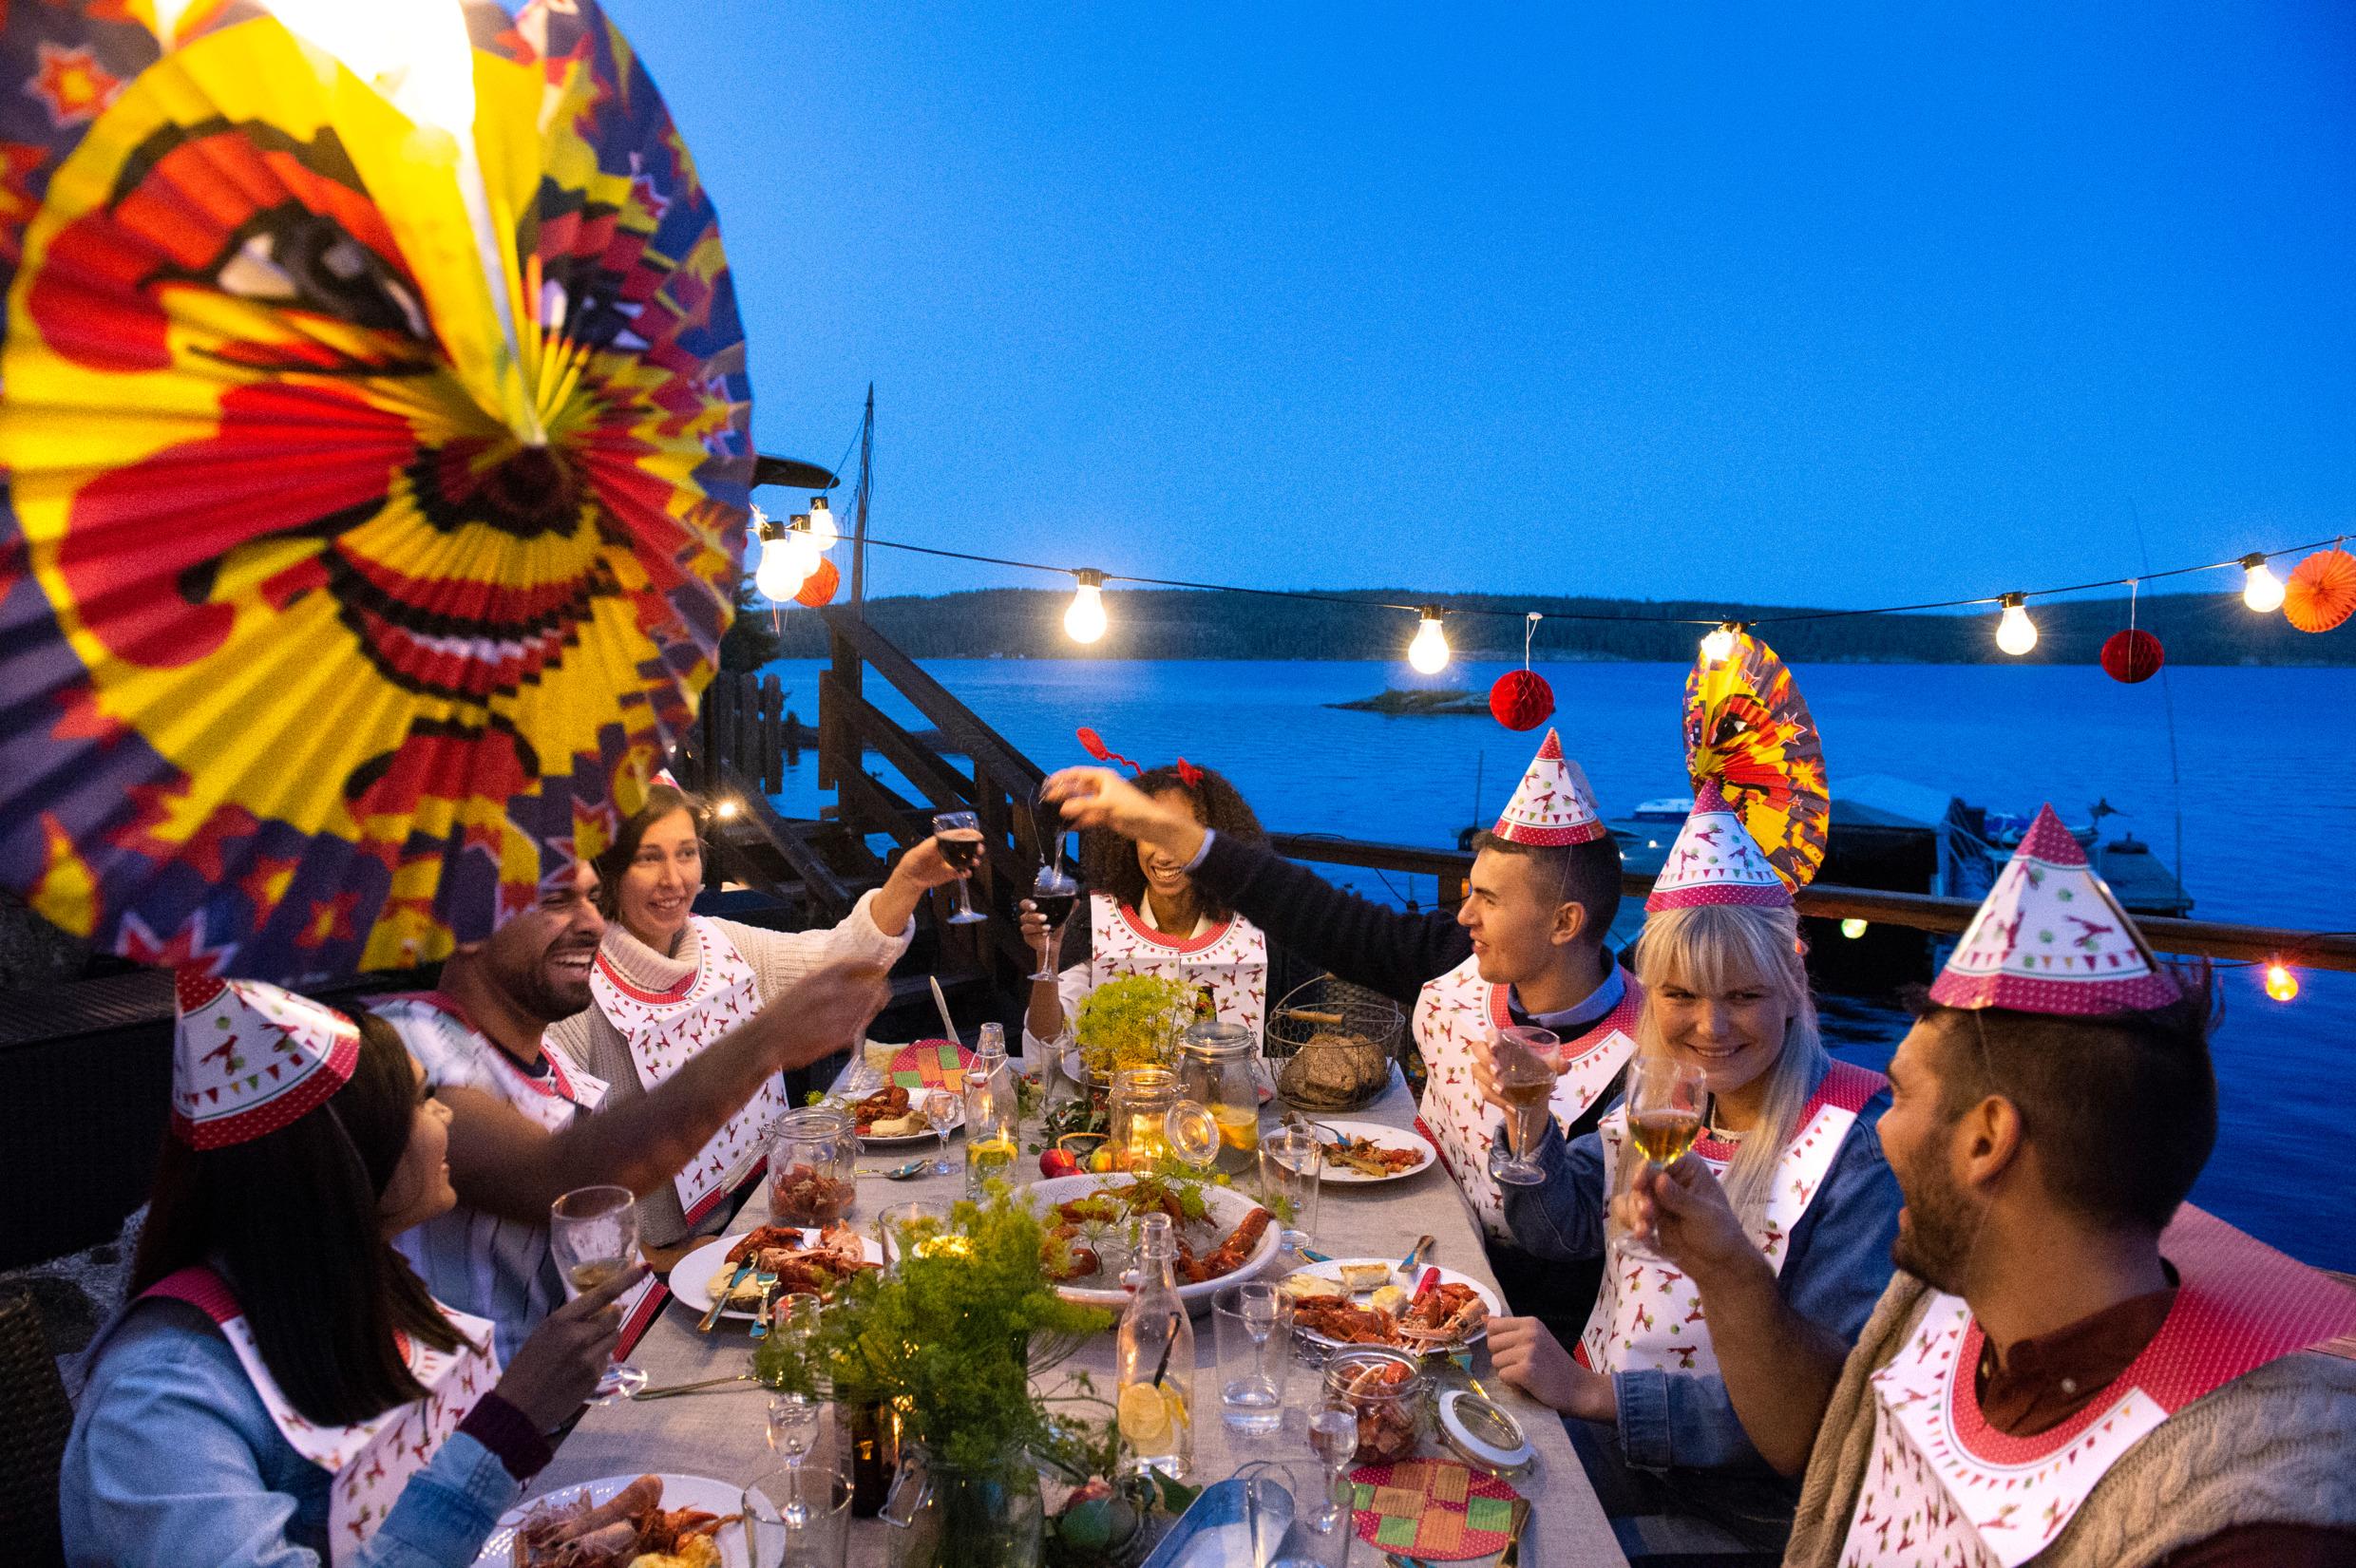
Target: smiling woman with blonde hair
1789,1133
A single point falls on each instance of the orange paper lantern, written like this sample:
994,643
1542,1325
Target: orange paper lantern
819,587
2321,593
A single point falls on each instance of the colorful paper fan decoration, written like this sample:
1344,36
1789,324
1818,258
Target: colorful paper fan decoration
1748,731
819,587
2321,591
930,1065
1521,699
377,431
2132,656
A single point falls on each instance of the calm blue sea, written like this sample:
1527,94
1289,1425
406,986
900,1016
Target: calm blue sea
2266,822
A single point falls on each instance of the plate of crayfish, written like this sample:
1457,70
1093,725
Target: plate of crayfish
1223,1237
1440,1310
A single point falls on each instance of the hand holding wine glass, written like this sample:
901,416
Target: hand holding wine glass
1664,1105
1522,1067
1053,895
593,1234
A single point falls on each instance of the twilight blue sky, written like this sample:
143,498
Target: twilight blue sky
1856,304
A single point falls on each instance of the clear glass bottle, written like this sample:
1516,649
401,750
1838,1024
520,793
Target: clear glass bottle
993,1113
1155,1360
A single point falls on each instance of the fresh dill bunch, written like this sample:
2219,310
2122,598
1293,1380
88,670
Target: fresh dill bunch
1133,1022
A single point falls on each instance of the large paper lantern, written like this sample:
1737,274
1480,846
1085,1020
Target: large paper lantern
2132,656
2322,592
818,588
1521,699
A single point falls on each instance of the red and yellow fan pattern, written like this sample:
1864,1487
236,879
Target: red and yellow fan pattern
1748,730
376,440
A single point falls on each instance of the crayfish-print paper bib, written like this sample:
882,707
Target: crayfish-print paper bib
667,1028
1649,1315
372,1460
1944,1487
1228,960
1461,1008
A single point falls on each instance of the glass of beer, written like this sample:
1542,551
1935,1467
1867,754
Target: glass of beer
958,833
1524,1062
593,1233
1666,1105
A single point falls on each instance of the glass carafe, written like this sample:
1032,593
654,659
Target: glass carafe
992,1113
1154,1360
1142,1098
1215,1063
813,1166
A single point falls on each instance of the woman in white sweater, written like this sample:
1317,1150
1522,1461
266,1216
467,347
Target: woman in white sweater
667,983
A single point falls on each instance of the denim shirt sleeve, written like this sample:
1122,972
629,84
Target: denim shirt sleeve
174,1460
1837,1270
1562,1216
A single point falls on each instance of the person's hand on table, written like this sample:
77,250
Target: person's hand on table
1098,796
1528,1355
1683,1212
555,1371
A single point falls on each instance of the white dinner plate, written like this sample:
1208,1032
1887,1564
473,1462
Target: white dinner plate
922,1134
1227,1207
716,1496
1382,1135
1331,1270
690,1276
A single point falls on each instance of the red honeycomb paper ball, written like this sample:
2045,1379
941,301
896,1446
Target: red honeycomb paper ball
2132,656
1521,699
819,587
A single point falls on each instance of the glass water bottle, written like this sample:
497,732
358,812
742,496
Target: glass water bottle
1155,1364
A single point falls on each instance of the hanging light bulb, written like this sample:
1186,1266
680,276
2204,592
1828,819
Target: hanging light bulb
2016,634
2280,983
2260,589
1429,651
1852,928
788,558
823,534
1084,621
1719,644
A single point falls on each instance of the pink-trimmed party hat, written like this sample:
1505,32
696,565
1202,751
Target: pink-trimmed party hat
1552,805
1716,861
249,1058
2050,939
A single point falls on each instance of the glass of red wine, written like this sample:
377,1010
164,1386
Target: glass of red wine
1053,894
958,833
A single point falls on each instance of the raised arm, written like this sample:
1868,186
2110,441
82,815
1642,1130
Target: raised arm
1778,1367
503,1163
1364,942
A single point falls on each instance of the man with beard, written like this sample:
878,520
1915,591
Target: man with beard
523,1130
2070,1368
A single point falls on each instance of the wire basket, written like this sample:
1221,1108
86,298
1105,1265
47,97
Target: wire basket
1333,1044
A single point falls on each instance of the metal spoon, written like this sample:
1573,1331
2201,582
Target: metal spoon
901,1173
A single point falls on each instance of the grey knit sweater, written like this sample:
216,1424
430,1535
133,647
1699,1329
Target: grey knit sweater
2272,1447
778,958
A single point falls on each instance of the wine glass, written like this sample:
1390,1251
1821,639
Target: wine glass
1333,1434
1524,1062
1665,1102
940,1113
959,834
1053,894
593,1233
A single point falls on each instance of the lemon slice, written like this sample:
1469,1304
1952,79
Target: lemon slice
1146,1416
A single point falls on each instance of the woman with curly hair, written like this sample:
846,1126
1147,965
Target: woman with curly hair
1146,915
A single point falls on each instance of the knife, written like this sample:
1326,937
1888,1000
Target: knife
1415,1255
720,1301
767,1282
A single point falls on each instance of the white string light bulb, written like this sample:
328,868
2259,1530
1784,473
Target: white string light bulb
2016,634
1084,621
823,534
2260,589
1429,651
1719,644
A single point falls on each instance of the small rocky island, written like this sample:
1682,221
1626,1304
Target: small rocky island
1418,704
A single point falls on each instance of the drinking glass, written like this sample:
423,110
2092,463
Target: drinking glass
1254,1328
1333,1437
959,834
1053,894
798,1517
1275,1492
1665,1105
593,1234
794,1419
1524,1062
1292,1165
940,1113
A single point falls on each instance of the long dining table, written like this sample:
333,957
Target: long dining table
723,1434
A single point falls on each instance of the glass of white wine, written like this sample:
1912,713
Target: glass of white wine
1526,1062
593,1233
1668,1100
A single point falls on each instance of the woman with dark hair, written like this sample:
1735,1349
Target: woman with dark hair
281,1389
668,982
1146,915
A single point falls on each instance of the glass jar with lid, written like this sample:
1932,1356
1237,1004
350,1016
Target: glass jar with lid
813,1166
1216,1062
1388,1393
1142,1099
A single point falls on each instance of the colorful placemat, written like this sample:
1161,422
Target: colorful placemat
930,1065
1435,1509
